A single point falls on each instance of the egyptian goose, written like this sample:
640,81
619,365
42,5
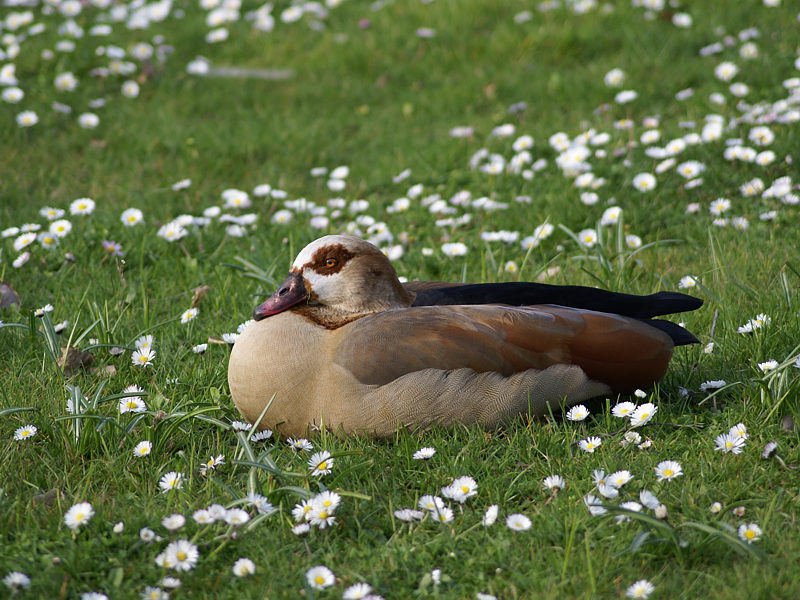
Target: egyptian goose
343,343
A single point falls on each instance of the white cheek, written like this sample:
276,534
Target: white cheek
325,287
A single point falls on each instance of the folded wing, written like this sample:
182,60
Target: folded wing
622,352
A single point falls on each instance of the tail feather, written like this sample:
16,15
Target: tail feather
679,335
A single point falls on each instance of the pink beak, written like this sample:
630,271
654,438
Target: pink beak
290,293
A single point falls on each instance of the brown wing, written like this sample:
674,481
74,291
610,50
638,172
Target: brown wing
620,351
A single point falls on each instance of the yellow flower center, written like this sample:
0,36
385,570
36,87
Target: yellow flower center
181,556
79,517
645,415
669,472
464,489
323,465
323,515
749,534
319,580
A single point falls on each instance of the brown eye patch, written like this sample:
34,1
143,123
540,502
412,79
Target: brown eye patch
330,259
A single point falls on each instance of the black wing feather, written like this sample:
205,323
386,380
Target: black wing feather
574,296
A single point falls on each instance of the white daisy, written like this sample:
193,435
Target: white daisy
577,413
518,522
181,555
640,589
668,470
24,433
590,444
320,577
424,453
320,463
749,532
244,566
78,515
171,481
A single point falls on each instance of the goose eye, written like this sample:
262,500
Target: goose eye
330,262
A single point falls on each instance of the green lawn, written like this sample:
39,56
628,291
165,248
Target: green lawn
378,88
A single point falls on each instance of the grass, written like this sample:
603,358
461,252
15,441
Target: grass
380,99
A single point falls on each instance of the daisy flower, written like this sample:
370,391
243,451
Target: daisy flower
24,433
454,249
171,481
88,120
131,217
619,478
320,463
739,431
301,529
327,500
632,506
643,414
143,357
623,409
594,504
408,514
687,282
79,514
172,231
443,515
39,312
154,593
712,384
244,566
27,118
261,435
431,503
240,426
300,444
590,444
357,591
236,517
640,589
668,470
82,206
749,532
173,522
554,483
143,448
212,463
424,453
16,580
644,182
768,366
577,413
648,499
203,517
199,348
490,516
189,315
587,237
181,555
518,522
729,443
320,577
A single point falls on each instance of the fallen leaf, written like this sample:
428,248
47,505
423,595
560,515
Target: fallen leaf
199,293
73,360
8,296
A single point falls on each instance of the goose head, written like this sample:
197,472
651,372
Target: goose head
338,278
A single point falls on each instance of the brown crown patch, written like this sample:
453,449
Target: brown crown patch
329,260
